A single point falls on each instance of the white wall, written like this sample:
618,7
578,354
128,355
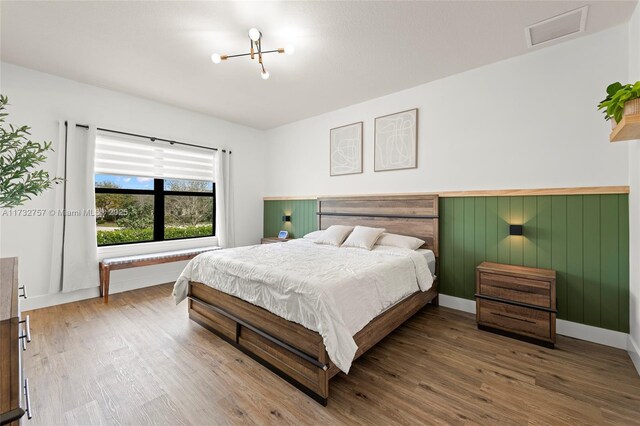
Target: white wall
40,100
634,203
526,122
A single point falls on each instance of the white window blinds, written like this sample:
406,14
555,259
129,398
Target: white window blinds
120,155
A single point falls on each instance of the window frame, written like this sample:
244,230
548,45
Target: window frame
159,194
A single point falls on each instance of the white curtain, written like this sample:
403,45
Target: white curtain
55,281
224,199
79,247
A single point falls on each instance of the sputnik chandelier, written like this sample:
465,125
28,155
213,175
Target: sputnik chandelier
255,37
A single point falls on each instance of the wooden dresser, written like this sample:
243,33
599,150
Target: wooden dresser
14,336
517,301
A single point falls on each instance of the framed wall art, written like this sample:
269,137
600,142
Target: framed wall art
396,141
346,149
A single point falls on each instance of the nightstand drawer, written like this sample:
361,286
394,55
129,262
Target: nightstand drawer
517,289
517,319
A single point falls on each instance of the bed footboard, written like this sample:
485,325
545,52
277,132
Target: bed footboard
286,348
295,353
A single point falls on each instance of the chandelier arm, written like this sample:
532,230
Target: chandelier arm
237,55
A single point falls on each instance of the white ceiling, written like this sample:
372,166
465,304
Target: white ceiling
346,52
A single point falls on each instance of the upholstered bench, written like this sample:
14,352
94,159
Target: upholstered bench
124,262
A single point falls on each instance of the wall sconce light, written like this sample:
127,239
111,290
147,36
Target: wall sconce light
515,229
286,218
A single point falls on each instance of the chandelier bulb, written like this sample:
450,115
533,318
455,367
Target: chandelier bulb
265,75
216,58
254,34
289,49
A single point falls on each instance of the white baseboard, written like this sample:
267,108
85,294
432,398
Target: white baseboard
589,333
47,300
457,303
121,280
634,353
576,330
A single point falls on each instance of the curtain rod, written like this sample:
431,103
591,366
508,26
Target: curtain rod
151,138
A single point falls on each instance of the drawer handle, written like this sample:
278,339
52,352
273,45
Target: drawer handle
24,292
27,399
25,337
512,317
513,289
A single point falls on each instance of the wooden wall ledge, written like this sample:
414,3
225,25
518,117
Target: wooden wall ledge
585,190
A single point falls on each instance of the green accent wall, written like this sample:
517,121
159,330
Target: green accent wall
303,217
585,238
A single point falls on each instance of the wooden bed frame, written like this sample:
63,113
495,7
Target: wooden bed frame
292,351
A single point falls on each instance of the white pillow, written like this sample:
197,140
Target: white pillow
363,237
313,235
334,235
402,241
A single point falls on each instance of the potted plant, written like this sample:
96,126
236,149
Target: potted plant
621,100
20,158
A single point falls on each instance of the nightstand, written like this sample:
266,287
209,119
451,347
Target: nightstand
271,240
517,301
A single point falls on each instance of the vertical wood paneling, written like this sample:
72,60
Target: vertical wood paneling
491,236
504,247
559,250
479,237
623,263
575,285
458,247
530,222
585,238
468,290
591,259
609,240
446,221
303,217
516,249
543,241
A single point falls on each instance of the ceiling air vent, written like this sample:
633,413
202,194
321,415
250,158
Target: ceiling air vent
558,27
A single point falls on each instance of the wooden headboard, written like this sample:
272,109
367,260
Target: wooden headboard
413,215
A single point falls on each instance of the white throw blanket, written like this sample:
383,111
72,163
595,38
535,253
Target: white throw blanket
333,291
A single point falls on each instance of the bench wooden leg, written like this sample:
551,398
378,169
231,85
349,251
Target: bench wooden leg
105,275
101,273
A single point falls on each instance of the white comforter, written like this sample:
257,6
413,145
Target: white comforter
334,291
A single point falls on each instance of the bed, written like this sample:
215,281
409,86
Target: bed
266,300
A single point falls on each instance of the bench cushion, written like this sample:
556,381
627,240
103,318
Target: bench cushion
154,256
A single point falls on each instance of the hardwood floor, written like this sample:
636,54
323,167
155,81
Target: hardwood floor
139,360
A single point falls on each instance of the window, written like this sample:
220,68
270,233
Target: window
134,209
152,191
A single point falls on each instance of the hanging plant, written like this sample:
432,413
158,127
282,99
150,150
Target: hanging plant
618,95
20,159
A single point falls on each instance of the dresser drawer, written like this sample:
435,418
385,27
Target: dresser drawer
516,319
517,289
